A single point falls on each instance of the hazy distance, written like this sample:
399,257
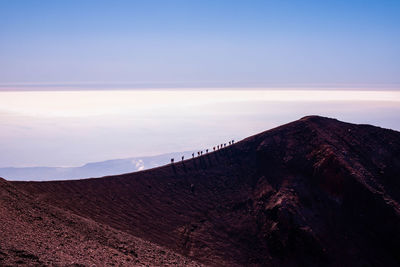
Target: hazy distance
72,128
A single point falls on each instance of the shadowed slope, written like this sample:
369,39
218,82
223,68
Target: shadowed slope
315,191
34,233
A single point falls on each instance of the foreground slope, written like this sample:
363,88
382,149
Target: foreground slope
36,234
315,191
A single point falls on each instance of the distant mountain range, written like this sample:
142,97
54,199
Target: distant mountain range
94,169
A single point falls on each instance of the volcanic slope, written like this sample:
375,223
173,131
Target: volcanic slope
33,233
313,192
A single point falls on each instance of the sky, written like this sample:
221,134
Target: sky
232,69
218,43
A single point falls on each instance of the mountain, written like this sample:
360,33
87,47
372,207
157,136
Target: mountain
314,192
94,169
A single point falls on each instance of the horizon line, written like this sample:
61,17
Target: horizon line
184,85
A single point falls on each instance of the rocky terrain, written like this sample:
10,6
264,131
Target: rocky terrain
37,234
313,192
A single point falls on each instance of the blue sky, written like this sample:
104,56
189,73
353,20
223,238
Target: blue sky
200,43
207,44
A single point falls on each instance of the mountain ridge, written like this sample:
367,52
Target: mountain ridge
312,192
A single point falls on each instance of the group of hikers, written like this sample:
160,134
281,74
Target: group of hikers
200,153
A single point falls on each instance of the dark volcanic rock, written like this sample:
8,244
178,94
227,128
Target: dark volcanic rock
33,233
314,192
